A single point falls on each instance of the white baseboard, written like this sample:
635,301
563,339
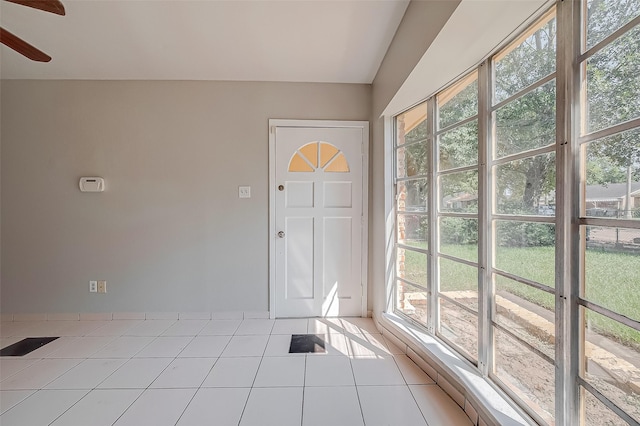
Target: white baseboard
128,315
108,316
230,315
29,317
195,316
63,317
482,402
105,316
256,315
161,315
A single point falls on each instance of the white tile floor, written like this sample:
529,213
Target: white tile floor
222,372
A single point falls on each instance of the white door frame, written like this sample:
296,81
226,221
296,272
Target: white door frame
364,125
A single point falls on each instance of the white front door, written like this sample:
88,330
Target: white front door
318,221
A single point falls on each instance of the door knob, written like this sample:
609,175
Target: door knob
280,187
281,234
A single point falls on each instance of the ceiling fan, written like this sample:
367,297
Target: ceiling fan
21,46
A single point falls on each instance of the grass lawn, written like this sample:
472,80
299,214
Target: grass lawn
612,281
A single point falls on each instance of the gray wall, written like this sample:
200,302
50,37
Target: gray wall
169,234
421,24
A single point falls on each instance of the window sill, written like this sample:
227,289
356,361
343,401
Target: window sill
483,402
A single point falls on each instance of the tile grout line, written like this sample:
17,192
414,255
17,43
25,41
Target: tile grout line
355,384
72,405
83,397
148,386
36,361
138,397
304,388
184,410
409,389
254,378
98,384
350,354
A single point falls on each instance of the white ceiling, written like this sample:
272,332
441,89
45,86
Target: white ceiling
475,29
342,41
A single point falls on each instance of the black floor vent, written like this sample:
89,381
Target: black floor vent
306,343
25,346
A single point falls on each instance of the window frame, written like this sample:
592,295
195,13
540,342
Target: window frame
569,219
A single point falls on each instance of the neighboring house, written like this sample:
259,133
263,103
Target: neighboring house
610,200
460,201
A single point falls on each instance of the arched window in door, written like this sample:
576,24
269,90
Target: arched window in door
318,156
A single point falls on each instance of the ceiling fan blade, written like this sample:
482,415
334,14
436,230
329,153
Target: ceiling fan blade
22,47
53,6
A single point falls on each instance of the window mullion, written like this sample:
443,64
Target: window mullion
567,276
485,240
433,273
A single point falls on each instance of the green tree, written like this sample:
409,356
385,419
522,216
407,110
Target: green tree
613,91
527,122
602,171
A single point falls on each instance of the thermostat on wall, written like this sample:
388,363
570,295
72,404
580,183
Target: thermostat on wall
91,184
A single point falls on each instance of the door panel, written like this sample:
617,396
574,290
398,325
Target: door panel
299,194
337,194
337,256
318,256
299,270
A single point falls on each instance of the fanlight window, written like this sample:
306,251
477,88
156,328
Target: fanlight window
318,155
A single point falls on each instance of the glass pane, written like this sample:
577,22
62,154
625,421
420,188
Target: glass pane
613,176
459,327
460,282
412,195
458,147
459,237
412,160
612,269
598,414
529,59
413,230
527,250
327,152
310,152
612,351
298,164
526,186
411,126
525,373
458,102
527,312
605,17
339,164
459,192
528,122
412,301
613,85
412,266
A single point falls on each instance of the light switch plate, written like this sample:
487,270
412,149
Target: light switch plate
93,286
244,192
102,286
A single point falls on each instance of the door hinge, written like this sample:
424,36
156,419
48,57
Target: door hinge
272,129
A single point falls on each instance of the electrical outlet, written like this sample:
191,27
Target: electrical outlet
93,286
102,286
244,192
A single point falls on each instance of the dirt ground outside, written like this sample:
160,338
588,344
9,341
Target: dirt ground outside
530,376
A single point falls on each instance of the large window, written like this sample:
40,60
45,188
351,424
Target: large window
522,169
413,171
518,215
609,144
456,231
